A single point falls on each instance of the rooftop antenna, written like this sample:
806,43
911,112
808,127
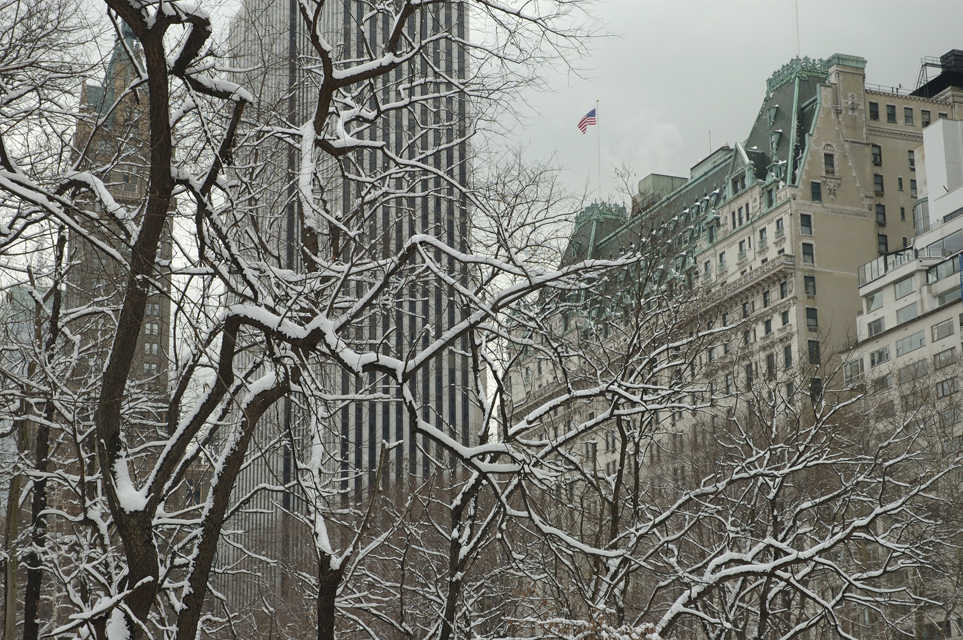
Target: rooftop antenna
795,25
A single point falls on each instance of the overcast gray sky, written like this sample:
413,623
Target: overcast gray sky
677,69
684,67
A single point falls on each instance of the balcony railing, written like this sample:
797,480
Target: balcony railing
779,261
884,264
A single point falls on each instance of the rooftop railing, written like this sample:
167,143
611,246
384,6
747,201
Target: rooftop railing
884,264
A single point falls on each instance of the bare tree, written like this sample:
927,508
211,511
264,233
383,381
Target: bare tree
292,306
168,126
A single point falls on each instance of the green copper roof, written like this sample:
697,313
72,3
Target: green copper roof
797,67
600,211
100,98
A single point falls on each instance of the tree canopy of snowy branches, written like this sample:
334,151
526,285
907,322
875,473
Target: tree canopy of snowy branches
236,309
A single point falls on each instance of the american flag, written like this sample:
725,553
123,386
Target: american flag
586,121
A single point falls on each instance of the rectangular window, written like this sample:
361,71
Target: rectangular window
902,216
877,154
722,259
785,318
942,330
712,354
770,366
882,243
891,113
816,389
745,309
878,183
904,287
874,301
809,256
770,200
908,116
725,319
899,183
944,358
814,352
740,216
742,248
779,228
881,383
925,118
912,160
768,326
816,190
853,372
912,371
910,343
762,237
765,299
829,163
951,416
946,388
812,318
950,296
805,224
874,111
809,283
942,116
746,337
708,267
783,289
879,356
787,356
906,314
913,188
880,214
728,383
876,327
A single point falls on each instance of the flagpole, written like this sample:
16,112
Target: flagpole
598,131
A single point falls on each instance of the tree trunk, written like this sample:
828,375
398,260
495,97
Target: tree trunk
38,537
328,583
11,531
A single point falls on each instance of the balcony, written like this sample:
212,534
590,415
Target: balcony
884,264
783,260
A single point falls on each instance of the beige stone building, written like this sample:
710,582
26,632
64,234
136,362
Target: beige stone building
776,228
114,140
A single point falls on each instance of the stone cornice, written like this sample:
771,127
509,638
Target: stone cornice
895,133
906,96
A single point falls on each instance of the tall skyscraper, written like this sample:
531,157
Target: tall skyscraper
269,41
407,181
